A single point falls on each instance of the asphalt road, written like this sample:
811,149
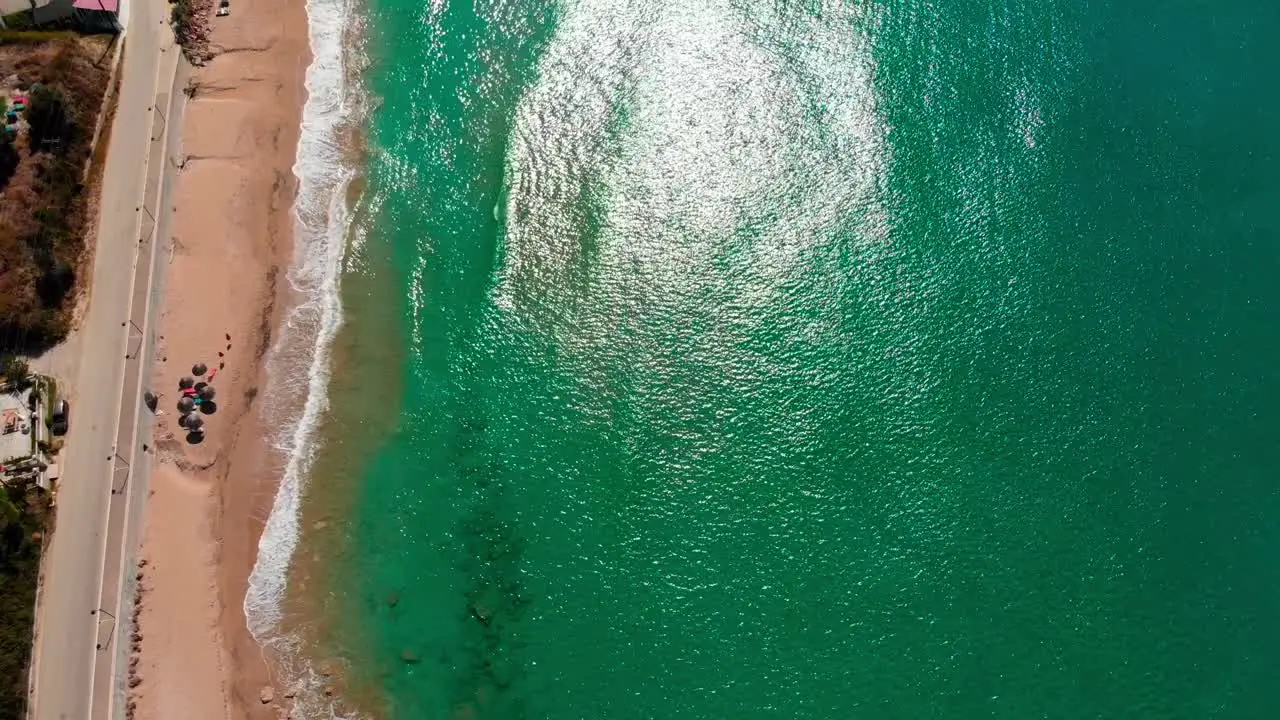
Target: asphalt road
78,644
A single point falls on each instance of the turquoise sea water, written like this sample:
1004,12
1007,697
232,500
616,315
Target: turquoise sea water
822,360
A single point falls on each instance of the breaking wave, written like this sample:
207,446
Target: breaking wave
299,364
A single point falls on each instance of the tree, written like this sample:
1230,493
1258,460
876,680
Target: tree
50,116
14,369
8,154
9,513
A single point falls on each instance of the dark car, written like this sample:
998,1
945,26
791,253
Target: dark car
60,417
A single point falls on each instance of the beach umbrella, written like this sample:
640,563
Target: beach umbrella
207,392
183,418
199,369
195,423
186,405
186,382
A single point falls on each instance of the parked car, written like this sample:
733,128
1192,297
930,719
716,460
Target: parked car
60,417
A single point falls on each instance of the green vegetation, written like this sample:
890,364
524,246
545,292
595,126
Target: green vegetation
9,157
14,369
23,512
18,21
51,119
9,513
50,397
180,14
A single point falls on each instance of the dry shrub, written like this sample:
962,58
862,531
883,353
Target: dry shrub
43,205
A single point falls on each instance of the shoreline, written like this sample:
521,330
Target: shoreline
224,299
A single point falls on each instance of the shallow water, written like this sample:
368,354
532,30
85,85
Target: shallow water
819,360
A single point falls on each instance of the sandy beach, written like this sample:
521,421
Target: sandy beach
225,288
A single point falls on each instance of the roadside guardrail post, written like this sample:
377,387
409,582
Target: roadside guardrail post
106,629
119,474
134,346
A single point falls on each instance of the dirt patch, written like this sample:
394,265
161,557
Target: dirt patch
52,88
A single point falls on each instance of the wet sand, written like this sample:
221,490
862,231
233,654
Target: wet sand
232,228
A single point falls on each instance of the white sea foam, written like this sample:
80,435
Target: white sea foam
298,367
